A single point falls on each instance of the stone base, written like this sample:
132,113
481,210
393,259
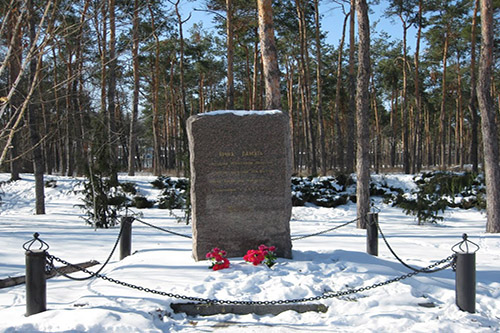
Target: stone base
200,309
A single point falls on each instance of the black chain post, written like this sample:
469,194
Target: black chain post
465,278
126,236
372,234
36,286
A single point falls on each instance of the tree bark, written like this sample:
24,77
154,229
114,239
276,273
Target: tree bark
378,133
289,92
319,83
306,88
81,153
112,136
255,75
404,107
417,145
473,95
14,66
155,77
442,115
135,93
350,152
230,55
488,125
339,150
363,115
459,127
69,115
38,162
184,112
269,55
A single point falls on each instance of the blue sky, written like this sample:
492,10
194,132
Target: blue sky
332,21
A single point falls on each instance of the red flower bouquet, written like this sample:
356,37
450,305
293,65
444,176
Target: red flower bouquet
218,259
264,255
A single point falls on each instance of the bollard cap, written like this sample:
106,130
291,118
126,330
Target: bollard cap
465,246
29,244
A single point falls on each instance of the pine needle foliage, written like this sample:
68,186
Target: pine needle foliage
437,191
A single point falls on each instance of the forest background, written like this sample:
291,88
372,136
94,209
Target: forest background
130,73
106,86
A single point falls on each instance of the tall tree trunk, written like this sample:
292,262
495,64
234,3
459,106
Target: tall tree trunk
394,127
184,112
58,153
378,134
201,93
269,55
135,94
81,153
349,156
103,55
155,75
404,107
459,126
289,92
255,74
69,110
69,115
442,115
45,124
247,100
488,124
15,102
319,83
306,86
363,115
230,55
38,162
473,95
339,137
112,132
417,143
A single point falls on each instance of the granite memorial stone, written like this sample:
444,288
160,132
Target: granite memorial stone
240,181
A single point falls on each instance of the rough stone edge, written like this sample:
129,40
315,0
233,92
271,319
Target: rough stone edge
202,309
189,126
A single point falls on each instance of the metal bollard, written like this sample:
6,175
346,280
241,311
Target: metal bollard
126,236
465,279
372,234
36,286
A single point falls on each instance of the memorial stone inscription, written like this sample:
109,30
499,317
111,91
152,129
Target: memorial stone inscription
240,181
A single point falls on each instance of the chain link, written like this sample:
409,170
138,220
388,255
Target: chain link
162,229
419,270
50,263
236,302
449,261
292,238
324,231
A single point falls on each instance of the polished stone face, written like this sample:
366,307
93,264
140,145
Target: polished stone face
240,181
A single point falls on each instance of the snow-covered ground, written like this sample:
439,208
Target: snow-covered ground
329,262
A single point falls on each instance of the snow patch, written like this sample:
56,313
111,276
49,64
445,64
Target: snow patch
240,112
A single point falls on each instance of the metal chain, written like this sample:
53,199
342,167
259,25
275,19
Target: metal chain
50,263
235,302
418,270
324,231
450,260
293,238
162,229
125,284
